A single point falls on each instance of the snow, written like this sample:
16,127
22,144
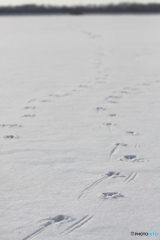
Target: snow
79,127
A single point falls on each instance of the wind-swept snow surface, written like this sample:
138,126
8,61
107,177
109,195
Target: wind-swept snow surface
79,127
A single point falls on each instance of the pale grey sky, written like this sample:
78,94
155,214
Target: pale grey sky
68,2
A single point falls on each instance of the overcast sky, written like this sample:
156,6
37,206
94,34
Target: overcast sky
68,2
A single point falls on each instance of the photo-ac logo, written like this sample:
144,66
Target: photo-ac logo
144,234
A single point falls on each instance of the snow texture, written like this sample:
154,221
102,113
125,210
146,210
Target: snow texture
79,127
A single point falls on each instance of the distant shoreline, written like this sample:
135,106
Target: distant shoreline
122,8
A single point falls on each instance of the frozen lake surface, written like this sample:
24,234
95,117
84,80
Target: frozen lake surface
79,127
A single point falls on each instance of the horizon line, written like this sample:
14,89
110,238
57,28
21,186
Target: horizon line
82,5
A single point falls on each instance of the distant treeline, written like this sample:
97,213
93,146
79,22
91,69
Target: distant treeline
122,8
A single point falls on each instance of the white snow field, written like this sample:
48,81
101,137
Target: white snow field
80,127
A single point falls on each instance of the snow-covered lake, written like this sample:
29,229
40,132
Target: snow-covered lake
79,127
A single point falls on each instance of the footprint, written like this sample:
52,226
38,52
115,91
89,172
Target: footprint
117,145
129,157
59,218
137,145
114,175
60,95
44,101
77,224
50,221
122,144
29,107
132,158
113,97
11,137
132,133
108,124
100,109
104,177
111,195
29,115
112,115
11,125
125,92
32,100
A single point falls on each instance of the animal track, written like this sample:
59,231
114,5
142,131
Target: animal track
32,100
44,101
132,158
112,102
41,229
107,175
124,92
11,125
11,137
29,107
117,145
93,185
78,224
129,157
110,174
108,124
60,95
29,115
59,218
112,115
132,133
114,174
130,177
111,195
113,97
56,219
100,109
